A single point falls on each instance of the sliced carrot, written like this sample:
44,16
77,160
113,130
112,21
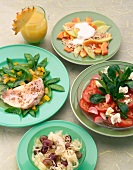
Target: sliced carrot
97,50
93,25
71,37
83,53
69,24
89,42
76,20
66,35
68,49
60,35
104,48
99,45
88,19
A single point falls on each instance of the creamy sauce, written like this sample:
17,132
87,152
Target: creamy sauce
85,32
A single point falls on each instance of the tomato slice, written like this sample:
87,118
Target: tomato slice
103,106
87,93
130,114
84,105
124,123
92,83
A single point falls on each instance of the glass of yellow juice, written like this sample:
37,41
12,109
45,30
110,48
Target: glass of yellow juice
35,29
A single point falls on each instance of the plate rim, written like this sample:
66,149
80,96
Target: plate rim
96,131
57,122
17,125
82,62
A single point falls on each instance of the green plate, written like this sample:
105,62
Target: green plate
59,47
76,90
91,150
57,69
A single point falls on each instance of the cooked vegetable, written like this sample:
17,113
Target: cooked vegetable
17,74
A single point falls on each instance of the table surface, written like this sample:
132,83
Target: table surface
113,153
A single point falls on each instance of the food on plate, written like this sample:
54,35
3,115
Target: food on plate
108,98
85,38
26,86
25,96
56,151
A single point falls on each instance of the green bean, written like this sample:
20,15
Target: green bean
10,84
51,81
25,112
57,87
32,113
17,83
28,75
29,59
7,71
43,63
10,63
14,110
36,58
49,92
46,73
1,72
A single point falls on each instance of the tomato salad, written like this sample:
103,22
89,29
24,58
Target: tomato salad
85,38
108,98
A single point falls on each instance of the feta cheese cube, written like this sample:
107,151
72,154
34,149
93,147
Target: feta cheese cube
127,101
131,76
109,111
116,118
98,84
105,71
123,89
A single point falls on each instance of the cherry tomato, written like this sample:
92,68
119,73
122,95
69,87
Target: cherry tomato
103,106
124,123
84,105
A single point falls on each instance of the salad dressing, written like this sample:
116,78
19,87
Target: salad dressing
85,32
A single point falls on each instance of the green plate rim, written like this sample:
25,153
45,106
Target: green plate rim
59,47
66,83
92,126
90,150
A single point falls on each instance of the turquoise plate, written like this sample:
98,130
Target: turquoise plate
113,45
57,69
91,150
75,94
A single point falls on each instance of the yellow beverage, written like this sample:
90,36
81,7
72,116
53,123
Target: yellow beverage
36,28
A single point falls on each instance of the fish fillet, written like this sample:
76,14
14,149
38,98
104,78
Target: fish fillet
25,96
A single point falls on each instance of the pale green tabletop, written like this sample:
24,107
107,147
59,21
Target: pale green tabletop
113,153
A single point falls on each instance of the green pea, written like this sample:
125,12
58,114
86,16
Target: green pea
29,59
46,73
10,63
36,58
14,110
25,112
57,87
8,71
28,75
32,113
43,63
52,81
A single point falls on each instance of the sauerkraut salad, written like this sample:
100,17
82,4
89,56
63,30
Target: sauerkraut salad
56,152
